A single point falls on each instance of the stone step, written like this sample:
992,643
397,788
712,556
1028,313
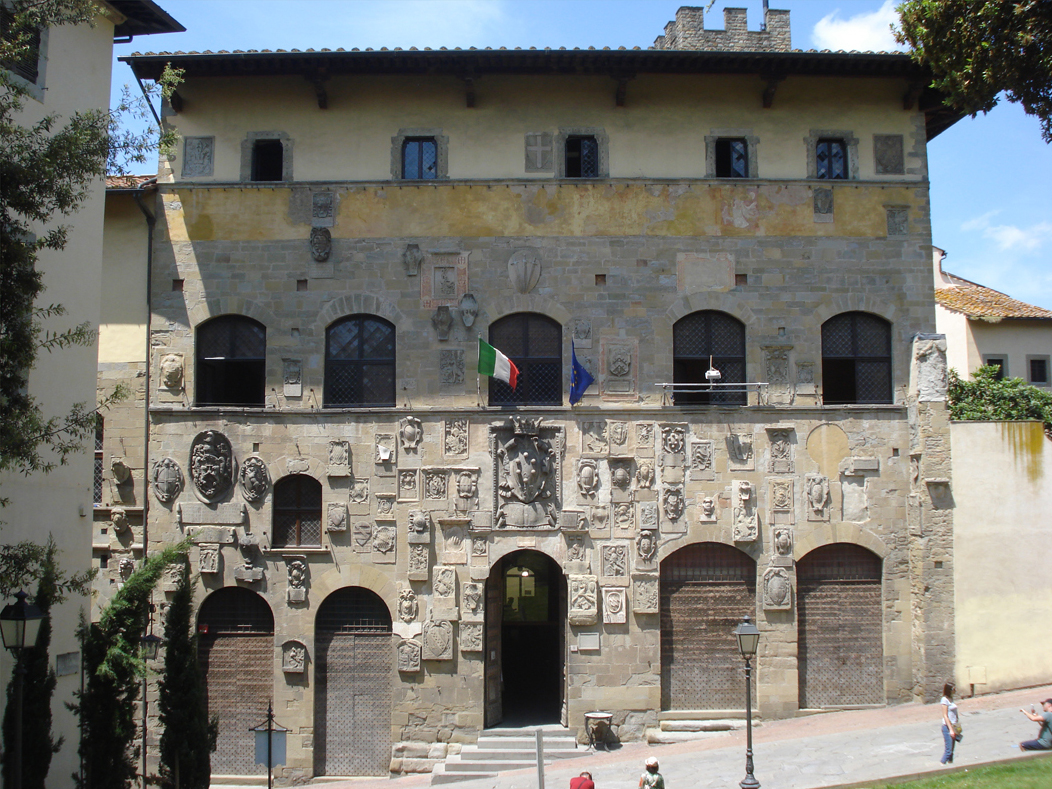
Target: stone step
469,754
525,743
663,737
727,724
498,750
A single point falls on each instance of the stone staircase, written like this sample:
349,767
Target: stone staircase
681,726
501,749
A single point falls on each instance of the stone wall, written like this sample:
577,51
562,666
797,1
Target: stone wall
687,31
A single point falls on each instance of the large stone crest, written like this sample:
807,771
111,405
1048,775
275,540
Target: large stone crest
211,464
526,475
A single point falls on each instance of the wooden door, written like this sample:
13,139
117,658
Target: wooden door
494,620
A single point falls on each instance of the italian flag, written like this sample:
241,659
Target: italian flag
495,364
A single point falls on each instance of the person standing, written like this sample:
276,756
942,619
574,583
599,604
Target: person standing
651,779
950,720
1044,736
583,781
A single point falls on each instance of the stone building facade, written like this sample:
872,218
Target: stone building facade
391,545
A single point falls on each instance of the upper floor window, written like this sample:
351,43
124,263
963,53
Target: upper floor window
704,338
582,156
420,158
266,156
1000,361
297,511
360,362
732,158
831,159
1037,370
534,343
231,362
856,359
26,64
267,160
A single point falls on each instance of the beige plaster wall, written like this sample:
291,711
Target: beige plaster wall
122,326
1016,338
1002,486
961,353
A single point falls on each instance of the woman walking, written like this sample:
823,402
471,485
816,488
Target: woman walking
949,722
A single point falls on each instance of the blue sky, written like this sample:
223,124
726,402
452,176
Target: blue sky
991,177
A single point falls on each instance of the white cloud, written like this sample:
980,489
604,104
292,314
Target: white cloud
867,32
430,23
980,222
1008,237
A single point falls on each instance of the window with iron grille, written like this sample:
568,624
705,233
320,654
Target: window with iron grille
420,158
856,359
998,361
27,64
297,511
97,486
353,609
831,159
534,343
1037,370
699,337
360,362
582,157
235,609
231,362
732,158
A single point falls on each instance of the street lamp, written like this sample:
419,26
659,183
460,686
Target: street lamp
748,636
19,628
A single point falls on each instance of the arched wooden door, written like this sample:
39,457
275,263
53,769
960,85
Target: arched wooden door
706,589
840,628
352,694
236,652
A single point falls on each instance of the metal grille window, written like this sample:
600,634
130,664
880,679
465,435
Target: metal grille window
696,338
582,157
27,65
534,343
420,158
856,359
97,486
831,159
360,362
231,362
732,158
297,511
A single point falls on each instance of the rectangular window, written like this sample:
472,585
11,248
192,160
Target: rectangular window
732,158
268,160
27,64
831,159
97,486
1037,369
1000,362
420,158
582,157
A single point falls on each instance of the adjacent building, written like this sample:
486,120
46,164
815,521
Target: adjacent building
731,236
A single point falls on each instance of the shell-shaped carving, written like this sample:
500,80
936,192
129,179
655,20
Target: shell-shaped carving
524,268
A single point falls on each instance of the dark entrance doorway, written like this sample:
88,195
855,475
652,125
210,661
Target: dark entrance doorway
525,640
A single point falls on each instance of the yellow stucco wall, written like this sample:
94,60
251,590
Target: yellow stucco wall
122,327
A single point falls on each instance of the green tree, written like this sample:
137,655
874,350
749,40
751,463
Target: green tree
986,398
47,170
38,742
113,664
188,736
978,48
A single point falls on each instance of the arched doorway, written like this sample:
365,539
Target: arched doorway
525,640
840,627
352,693
706,589
236,652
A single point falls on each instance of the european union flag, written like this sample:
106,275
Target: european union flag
580,378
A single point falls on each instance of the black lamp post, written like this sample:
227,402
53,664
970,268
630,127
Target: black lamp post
150,645
19,628
748,636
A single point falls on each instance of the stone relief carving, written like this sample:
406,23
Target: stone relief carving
480,549
359,492
254,479
783,500
455,547
197,156
320,244
385,450
474,593
297,576
208,558
584,594
673,445
456,437
451,367
411,433
777,589
673,503
418,562
125,568
625,515
524,269
587,478
467,491
645,598
436,484
119,519
293,657
781,439
339,459
739,450
407,605
621,475
438,640
645,475
407,485
412,259
442,320
582,333
172,371
323,206
171,577
575,550
384,541
645,438
445,582
817,492
120,471
526,471
648,515
708,510
211,464
776,368
471,635
614,560
408,655
929,367
646,546
362,536
385,503
615,606
337,518
419,527
619,361
593,438
746,524
701,460
469,310
292,377
783,546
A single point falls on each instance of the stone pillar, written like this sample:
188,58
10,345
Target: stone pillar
930,519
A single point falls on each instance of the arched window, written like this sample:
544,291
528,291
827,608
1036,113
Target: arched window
297,511
231,362
856,359
534,342
696,338
360,362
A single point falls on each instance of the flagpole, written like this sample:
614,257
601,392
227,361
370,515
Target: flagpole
478,376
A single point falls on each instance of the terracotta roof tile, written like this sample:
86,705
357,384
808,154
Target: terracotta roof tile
975,301
127,181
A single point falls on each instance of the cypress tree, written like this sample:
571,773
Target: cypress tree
189,737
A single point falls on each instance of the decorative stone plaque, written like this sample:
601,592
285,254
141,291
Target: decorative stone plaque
209,558
211,465
625,518
323,209
707,510
594,442
739,452
292,377
198,156
702,465
195,513
646,550
358,496
221,535
648,515
419,528
438,640
436,484
645,439
573,521
619,368
673,503
473,596
454,540
776,370
254,479
587,479
248,572
782,500
385,504
816,494
777,589
455,437
615,606
384,542
297,576
781,439
620,480
783,546
444,588
467,490
293,657
614,563
408,656
336,520
526,474
408,485
673,447
362,536
385,454
171,367
471,636
410,433
166,480
408,608
451,367
584,593
339,459
746,524
576,556
645,598
419,562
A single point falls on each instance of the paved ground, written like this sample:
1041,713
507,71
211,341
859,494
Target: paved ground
829,750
